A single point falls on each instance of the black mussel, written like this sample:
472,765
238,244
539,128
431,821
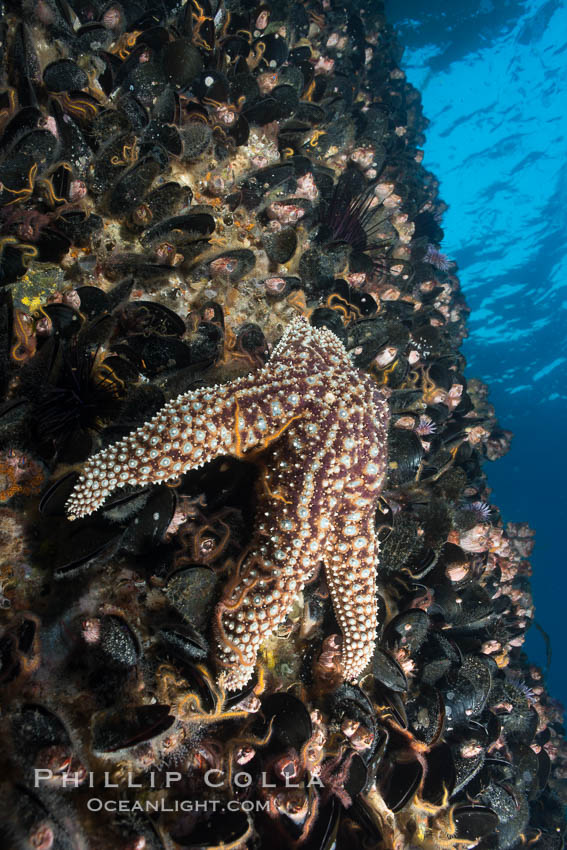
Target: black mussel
440,776
94,37
280,287
212,86
474,821
250,340
225,829
64,75
148,316
23,58
94,301
405,454
191,591
163,201
79,226
114,730
326,317
273,48
387,671
183,641
287,98
23,121
426,715
407,631
281,245
155,354
240,131
263,111
112,158
399,784
235,47
65,321
111,642
131,186
166,108
83,545
182,62
188,227
196,138
166,135
232,265
290,721
147,529
40,145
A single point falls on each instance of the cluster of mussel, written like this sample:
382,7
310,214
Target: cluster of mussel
177,181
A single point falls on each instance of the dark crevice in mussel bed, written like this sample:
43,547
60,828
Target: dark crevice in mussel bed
178,182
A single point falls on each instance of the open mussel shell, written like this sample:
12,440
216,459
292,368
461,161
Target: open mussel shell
115,730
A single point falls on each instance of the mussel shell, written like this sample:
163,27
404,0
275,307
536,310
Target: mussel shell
131,186
232,265
116,730
183,641
225,829
83,544
118,647
291,726
147,529
408,629
213,85
36,727
151,316
440,777
400,784
64,75
280,246
79,226
474,821
387,671
94,301
180,229
182,62
156,355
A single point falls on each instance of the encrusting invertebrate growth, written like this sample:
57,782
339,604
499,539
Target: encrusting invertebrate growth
321,427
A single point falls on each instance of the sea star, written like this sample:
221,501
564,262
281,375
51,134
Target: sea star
320,425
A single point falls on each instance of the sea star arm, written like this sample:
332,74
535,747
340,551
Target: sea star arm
188,432
350,569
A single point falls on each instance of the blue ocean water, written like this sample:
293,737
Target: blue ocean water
493,79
